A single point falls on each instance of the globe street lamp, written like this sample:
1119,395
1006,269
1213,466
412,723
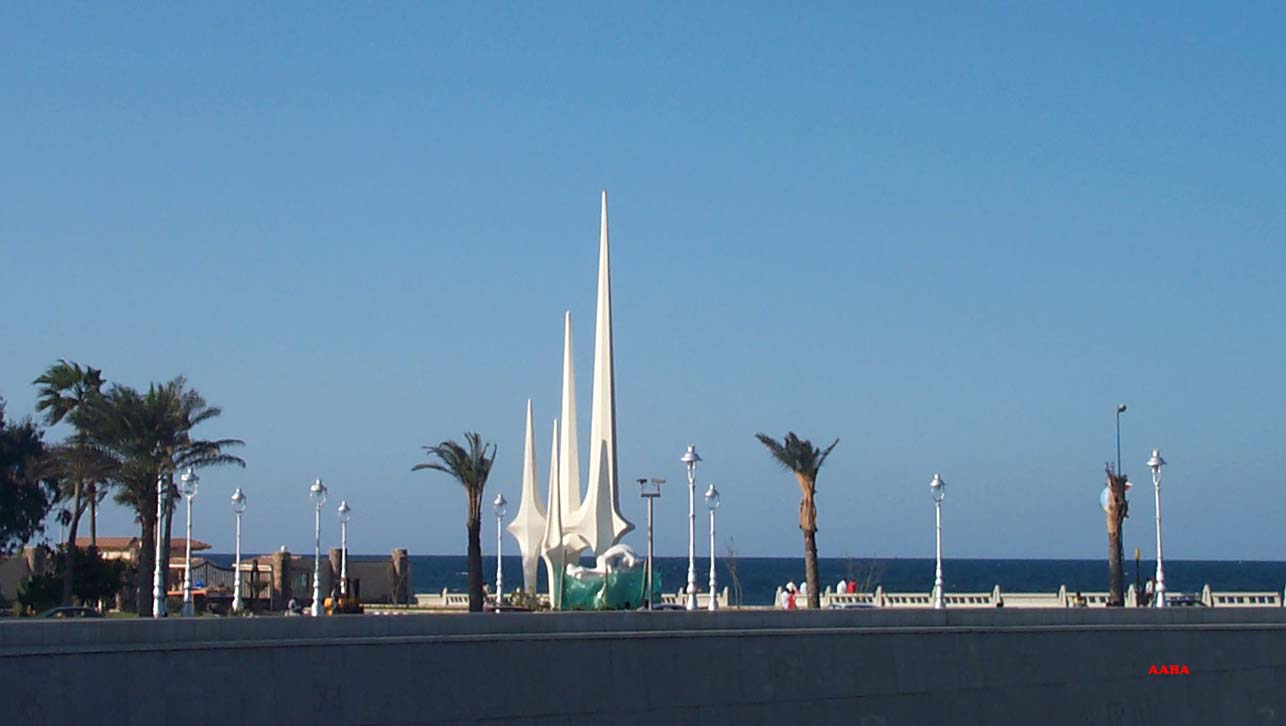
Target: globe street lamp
939,490
712,501
187,487
317,493
345,514
1155,463
159,574
238,507
500,506
649,489
690,458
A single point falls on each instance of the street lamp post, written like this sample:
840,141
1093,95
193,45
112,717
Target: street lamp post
500,506
187,487
159,574
938,488
1120,409
712,502
649,490
317,493
238,507
345,514
1155,463
690,458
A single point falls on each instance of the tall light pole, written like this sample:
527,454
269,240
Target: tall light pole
690,458
649,490
500,506
1120,409
317,493
1155,463
187,487
238,508
159,574
345,514
938,488
712,502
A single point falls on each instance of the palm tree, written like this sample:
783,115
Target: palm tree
471,468
64,389
149,436
1117,510
804,459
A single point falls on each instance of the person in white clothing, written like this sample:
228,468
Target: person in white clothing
842,587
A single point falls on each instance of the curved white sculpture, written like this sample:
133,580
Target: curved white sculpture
558,548
568,464
528,525
599,519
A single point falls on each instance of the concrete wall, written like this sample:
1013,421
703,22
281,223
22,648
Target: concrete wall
1073,666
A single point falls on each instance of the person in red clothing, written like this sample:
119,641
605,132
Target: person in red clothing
852,587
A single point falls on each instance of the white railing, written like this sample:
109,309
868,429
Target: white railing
1060,599
445,600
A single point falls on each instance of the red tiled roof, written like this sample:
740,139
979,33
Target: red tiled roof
125,543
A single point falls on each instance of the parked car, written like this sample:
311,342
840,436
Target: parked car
70,612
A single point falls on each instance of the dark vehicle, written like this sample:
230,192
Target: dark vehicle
666,606
1182,600
70,612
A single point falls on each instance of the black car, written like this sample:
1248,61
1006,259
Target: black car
70,612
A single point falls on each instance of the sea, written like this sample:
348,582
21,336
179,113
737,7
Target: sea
754,580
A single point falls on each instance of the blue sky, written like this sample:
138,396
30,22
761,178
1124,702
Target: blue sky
955,238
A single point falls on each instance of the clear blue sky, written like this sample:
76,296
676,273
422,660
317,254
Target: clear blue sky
953,238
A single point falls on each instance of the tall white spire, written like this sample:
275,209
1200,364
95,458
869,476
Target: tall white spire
599,519
568,456
557,547
528,526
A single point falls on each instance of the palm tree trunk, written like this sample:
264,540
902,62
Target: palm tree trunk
808,524
69,553
169,527
146,564
1115,571
1117,509
810,569
475,561
93,515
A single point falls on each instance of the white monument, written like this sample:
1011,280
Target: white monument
568,525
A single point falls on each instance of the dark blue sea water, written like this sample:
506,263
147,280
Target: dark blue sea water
759,577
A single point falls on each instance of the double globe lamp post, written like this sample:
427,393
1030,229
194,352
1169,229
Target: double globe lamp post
317,494
345,514
500,506
690,458
712,503
238,508
187,487
158,572
1155,463
939,490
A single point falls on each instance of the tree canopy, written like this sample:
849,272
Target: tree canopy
26,494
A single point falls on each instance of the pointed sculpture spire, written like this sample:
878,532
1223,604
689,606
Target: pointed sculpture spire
528,526
557,547
568,457
599,519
